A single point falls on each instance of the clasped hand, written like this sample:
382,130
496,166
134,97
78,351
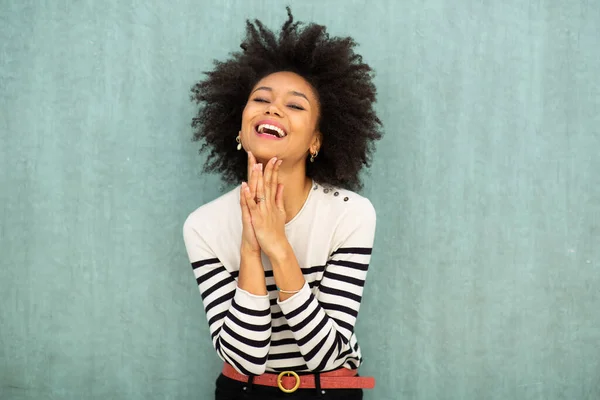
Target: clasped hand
263,212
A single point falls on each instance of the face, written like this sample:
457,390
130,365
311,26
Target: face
280,119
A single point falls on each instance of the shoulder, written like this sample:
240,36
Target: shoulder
214,212
350,215
209,226
343,203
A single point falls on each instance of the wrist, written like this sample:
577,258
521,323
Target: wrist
281,253
248,252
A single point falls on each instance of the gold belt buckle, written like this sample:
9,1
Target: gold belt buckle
280,381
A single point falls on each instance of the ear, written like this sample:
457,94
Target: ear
315,145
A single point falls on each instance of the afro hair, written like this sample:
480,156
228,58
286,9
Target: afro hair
342,82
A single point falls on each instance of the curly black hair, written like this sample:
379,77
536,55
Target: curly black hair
342,82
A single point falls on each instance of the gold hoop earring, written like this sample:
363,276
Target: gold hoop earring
239,142
313,156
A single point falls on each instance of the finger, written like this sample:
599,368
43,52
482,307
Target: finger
242,189
243,201
275,179
249,200
246,215
251,162
256,172
279,197
269,194
260,190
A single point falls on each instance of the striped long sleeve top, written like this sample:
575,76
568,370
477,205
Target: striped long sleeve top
332,237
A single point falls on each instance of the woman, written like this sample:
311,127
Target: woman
281,260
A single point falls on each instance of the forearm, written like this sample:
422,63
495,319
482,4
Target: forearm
323,324
251,277
286,271
244,339
239,321
322,342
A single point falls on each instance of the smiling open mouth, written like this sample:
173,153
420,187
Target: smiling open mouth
271,130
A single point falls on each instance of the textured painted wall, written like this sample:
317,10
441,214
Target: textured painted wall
486,274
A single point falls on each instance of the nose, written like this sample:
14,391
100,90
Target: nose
273,110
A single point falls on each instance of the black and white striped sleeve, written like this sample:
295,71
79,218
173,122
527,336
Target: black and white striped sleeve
239,322
323,323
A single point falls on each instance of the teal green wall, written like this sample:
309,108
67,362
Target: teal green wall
485,281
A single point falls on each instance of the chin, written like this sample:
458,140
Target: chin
263,155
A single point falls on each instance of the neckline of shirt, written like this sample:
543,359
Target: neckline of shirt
304,206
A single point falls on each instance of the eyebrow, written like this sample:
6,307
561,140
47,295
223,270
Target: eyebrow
290,92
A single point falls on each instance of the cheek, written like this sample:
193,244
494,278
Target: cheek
305,129
310,124
245,113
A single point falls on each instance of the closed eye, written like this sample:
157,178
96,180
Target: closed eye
294,106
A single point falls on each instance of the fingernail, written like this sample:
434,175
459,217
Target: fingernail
274,160
243,185
280,161
260,167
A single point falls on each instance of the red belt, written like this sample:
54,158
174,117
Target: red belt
290,381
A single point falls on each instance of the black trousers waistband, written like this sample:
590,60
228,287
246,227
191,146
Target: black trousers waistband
230,389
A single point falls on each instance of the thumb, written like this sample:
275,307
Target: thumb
279,197
246,215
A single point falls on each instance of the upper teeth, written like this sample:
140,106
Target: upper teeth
279,131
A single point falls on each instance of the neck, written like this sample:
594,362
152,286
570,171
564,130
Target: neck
297,186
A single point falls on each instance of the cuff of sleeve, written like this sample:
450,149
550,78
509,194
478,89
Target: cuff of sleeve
252,301
295,301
